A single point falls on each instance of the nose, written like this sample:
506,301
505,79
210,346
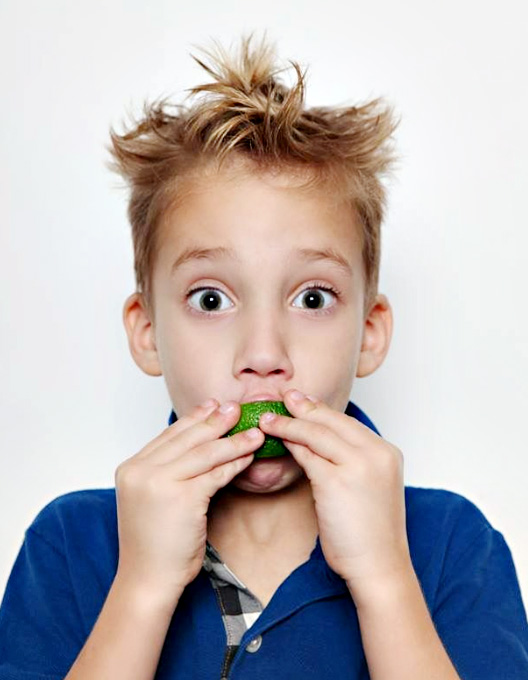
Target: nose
262,345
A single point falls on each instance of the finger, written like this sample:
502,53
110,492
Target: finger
315,436
206,457
202,430
315,467
315,410
221,475
198,414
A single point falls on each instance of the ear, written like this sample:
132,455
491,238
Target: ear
140,332
376,337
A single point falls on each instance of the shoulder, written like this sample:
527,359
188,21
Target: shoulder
87,512
443,524
442,502
443,507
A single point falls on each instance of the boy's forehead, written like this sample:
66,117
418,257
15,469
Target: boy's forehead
220,212
228,218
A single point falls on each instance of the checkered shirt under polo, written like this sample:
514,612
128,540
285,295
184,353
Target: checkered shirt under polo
239,607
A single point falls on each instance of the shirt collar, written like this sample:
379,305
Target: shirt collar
351,410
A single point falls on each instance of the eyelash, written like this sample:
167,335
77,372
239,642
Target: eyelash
314,286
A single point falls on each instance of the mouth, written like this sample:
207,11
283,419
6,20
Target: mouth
261,397
250,413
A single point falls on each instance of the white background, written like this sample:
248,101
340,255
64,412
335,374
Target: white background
452,393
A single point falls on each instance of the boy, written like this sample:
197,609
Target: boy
256,238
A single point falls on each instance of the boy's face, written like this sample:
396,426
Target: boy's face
264,307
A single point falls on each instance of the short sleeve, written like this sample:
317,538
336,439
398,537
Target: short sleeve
40,635
479,612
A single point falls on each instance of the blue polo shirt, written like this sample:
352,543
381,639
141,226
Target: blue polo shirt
68,560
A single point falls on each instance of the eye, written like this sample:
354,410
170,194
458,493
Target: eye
316,296
207,299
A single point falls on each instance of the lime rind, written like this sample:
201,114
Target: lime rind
250,413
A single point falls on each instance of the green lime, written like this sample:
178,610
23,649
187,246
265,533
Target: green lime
249,417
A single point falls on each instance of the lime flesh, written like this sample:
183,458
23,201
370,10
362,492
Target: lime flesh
250,413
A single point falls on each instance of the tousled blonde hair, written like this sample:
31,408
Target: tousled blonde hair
248,113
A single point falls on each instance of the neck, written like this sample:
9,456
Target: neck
259,521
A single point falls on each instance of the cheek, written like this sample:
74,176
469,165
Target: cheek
332,348
191,365
330,362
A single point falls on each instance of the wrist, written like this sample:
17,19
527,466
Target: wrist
146,598
379,591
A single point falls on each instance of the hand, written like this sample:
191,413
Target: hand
357,485
163,494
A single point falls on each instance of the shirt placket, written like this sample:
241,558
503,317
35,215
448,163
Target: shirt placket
238,606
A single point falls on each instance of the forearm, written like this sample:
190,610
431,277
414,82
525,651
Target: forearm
398,634
127,638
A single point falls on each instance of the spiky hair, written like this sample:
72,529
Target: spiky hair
248,113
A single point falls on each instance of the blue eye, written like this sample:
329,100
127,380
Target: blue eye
209,299
315,297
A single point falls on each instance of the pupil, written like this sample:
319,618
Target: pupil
210,299
312,300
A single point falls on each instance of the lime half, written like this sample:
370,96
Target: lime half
250,413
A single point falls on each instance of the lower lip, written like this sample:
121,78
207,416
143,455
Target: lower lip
265,472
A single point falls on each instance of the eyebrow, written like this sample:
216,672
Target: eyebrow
308,254
326,254
195,253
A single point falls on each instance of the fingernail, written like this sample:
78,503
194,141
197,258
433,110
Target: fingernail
269,417
228,407
209,403
296,395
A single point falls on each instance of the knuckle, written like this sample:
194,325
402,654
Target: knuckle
134,477
237,441
320,430
218,473
362,470
209,407
152,484
244,443
125,473
247,438
398,456
212,419
390,460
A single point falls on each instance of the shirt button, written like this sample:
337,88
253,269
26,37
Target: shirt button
254,645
